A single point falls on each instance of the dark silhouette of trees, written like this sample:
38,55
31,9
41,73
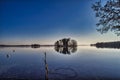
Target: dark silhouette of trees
109,16
35,46
66,42
107,45
73,43
66,46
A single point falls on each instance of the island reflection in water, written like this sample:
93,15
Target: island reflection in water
42,63
65,50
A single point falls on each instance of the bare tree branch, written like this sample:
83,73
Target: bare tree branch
109,16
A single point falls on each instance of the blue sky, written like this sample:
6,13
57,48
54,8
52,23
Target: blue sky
46,19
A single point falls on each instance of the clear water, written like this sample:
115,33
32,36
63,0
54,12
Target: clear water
87,63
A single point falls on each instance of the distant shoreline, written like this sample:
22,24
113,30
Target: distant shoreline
32,45
115,44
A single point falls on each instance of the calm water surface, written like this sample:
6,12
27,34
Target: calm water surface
87,63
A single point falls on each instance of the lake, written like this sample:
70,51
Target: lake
45,63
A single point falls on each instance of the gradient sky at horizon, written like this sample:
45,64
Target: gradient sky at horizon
46,21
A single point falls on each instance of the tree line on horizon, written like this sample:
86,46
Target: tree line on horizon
107,44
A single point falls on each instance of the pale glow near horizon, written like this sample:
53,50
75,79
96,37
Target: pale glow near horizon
81,39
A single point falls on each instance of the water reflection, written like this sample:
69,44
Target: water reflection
13,50
63,73
60,49
66,46
35,46
65,50
45,66
7,56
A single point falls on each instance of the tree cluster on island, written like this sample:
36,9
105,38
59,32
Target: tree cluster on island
66,42
66,46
